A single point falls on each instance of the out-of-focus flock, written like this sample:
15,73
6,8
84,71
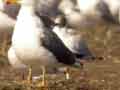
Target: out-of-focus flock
43,33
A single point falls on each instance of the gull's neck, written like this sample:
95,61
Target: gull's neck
28,5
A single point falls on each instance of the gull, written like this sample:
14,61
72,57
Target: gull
11,9
7,21
114,7
75,18
86,14
48,7
36,45
6,27
73,39
71,13
107,10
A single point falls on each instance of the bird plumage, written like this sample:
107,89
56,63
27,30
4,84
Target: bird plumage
73,40
36,45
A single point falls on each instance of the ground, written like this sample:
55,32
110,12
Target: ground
98,74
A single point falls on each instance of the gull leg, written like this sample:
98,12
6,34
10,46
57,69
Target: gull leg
44,81
29,78
43,78
67,73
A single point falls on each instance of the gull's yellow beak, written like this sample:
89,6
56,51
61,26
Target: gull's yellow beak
11,1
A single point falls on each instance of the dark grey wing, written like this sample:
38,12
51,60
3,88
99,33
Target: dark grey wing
56,46
103,8
48,22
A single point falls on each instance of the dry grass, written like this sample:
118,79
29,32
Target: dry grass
97,75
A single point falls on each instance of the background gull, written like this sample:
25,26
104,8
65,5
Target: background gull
6,23
71,13
11,9
85,14
114,7
48,7
72,38
75,17
106,10
8,13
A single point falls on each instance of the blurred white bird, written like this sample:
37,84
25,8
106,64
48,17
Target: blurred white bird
34,44
72,38
74,16
71,13
86,14
48,7
6,27
105,9
11,9
114,7
6,22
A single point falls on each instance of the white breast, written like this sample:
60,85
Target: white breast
26,40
